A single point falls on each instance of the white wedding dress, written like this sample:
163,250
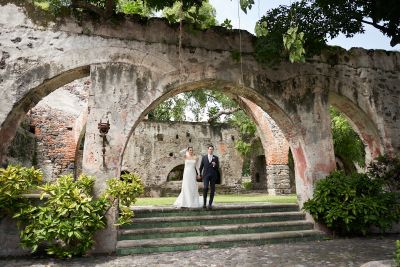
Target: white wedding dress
189,196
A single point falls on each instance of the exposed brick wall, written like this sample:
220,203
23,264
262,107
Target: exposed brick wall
57,122
56,144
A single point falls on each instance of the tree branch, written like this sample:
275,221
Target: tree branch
223,112
104,13
395,38
376,25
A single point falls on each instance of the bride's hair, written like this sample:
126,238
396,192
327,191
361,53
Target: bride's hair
189,147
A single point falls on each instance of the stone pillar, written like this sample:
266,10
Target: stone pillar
313,153
278,179
115,97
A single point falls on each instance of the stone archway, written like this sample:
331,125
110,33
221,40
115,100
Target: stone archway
361,123
135,69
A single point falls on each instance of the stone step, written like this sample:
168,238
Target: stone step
143,212
125,247
207,230
213,219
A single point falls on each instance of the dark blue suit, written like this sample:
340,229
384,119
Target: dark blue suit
209,174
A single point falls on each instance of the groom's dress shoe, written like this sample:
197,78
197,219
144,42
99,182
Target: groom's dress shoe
204,207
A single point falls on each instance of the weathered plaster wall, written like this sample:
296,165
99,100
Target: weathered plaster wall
133,68
153,151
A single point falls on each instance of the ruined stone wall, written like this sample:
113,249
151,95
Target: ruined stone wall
50,132
22,149
154,149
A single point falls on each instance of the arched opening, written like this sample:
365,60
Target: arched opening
229,89
57,120
259,176
362,125
348,147
171,88
176,174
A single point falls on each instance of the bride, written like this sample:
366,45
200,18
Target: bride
189,196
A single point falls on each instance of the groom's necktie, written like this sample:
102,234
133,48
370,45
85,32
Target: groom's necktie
209,158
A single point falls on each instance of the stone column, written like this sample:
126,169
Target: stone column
313,152
115,97
278,179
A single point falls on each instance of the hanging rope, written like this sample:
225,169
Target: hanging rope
240,45
180,43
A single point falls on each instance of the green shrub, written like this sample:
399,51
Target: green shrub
67,220
69,216
15,181
126,190
351,204
247,185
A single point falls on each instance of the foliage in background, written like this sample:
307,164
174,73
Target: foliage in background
134,7
387,169
172,109
346,142
202,16
213,104
247,184
322,19
351,204
15,181
68,216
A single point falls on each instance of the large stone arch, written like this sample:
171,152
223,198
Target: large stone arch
134,69
164,88
276,149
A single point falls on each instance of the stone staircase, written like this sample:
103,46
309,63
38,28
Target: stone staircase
162,229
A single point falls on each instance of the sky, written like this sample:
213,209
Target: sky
371,39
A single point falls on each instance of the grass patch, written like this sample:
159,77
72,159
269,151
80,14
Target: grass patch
248,198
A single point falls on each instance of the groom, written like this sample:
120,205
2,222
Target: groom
210,164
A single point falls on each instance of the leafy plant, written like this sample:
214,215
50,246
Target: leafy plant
67,220
350,204
227,23
293,42
126,190
202,16
242,147
15,181
64,224
247,185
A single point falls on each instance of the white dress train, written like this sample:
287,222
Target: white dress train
189,196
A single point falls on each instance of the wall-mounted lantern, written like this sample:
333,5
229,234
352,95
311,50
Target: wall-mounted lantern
104,127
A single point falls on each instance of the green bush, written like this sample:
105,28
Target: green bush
247,185
67,220
15,181
351,204
126,190
68,216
